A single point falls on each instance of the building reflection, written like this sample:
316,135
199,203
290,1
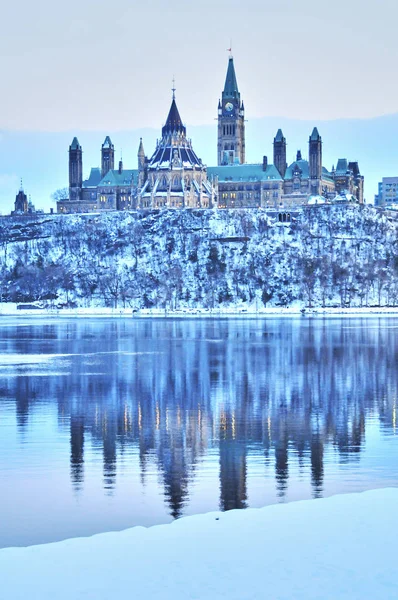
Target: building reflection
77,451
284,390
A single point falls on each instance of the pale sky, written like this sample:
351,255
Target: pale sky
91,64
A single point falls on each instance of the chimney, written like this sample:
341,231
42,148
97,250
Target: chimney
298,157
265,163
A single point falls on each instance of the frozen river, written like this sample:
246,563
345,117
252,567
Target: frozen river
110,423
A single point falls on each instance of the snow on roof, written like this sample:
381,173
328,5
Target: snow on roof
316,200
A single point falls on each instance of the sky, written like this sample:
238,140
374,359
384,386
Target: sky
93,66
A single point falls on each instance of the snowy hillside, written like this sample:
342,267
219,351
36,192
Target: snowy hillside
329,256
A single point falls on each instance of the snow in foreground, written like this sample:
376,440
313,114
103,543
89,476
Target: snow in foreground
339,547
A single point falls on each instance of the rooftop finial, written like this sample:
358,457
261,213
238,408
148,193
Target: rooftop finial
230,49
21,186
173,89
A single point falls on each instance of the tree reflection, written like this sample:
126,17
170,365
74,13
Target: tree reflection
285,390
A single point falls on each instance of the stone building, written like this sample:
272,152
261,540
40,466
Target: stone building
231,122
21,202
105,189
22,205
272,185
174,177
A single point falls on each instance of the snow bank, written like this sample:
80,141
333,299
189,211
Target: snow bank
339,547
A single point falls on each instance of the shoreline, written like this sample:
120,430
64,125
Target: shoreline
340,547
11,310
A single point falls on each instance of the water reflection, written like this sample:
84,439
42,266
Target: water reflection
289,394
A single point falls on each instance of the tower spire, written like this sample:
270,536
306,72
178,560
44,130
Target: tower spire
173,89
173,122
231,120
231,85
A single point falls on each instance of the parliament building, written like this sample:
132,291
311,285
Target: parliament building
174,176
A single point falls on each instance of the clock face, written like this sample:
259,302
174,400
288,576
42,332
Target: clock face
229,106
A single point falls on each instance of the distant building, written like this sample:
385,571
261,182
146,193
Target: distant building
105,189
278,184
175,177
387,192
22,205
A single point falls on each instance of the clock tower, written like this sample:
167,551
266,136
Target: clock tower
231,122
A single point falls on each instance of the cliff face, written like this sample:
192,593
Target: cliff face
328,256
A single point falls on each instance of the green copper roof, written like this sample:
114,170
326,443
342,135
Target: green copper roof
326,174
107,143
231,85
315,135
75,144
114,178
94,179
243,173
342,166
302,167
279,136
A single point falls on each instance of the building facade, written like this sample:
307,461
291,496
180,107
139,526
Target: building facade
231,122
105,189
23,205
277,185
387,192
174,177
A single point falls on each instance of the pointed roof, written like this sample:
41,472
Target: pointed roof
141,151
94,178
231,85
75,144
173,123
107,143
342,166
279,136
315,135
